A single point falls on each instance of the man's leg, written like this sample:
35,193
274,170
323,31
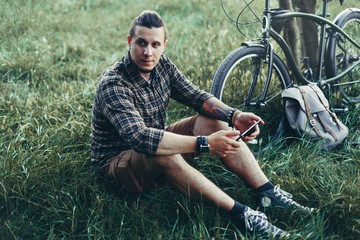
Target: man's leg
242,163
138,172
191,182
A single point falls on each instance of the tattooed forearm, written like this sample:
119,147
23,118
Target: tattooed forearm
214,108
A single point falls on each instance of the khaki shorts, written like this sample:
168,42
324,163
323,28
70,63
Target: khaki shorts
128,169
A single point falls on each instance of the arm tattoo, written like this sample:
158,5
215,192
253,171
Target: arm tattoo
214,108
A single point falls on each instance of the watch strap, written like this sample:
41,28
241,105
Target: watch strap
202,145
198,143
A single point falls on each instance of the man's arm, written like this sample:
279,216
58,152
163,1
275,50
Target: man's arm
216,109
221,143
172,143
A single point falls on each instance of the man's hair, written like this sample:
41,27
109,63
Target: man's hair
147,19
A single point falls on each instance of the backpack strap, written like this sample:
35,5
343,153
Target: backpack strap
326,106
324,102
308,113
327,129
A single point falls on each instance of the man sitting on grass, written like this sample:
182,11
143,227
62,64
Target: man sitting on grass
132,146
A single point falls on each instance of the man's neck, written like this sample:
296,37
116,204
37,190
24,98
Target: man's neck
146,76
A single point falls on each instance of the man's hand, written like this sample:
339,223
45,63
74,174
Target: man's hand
244,120
223,142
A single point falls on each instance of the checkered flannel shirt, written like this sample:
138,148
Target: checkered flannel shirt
129,113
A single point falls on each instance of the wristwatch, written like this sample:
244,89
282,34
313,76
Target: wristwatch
202,145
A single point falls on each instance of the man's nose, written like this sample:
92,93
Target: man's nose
148,51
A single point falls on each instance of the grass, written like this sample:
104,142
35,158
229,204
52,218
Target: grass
51,55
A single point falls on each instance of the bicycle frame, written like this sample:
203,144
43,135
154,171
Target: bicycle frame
270,17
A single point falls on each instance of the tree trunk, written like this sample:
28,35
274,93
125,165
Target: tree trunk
290,31
309,31
301,34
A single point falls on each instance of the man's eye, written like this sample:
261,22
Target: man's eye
141,43
156,44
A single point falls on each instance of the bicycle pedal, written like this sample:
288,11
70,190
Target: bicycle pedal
340,109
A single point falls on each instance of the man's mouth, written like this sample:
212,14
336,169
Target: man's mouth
147,60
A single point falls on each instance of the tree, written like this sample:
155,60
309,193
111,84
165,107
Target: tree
301,34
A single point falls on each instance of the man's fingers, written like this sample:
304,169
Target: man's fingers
232,133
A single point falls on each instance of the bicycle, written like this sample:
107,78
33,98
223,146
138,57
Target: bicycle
244,79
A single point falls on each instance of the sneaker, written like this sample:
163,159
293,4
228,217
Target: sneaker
257,222
280,198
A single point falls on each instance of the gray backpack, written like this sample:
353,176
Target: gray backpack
308,113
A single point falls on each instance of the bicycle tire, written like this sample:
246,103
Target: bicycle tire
233,79
341,53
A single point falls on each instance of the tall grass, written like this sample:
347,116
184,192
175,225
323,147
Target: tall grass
51,54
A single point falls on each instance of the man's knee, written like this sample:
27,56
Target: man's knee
167,163
207,126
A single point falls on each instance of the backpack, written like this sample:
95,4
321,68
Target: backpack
308,113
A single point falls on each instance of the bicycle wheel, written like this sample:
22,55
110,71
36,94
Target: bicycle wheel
342,54
233,80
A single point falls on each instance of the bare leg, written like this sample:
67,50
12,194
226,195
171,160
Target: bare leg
191,182
242,163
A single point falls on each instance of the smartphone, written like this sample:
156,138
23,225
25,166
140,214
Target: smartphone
249,131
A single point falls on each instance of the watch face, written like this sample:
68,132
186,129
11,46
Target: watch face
202,145
204,148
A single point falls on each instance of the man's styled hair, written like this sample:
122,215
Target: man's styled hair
147,19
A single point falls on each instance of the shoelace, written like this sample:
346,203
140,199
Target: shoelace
287,198
259,219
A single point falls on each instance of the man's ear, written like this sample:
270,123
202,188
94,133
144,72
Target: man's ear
165,42
129,40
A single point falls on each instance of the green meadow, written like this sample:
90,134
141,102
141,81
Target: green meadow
51,55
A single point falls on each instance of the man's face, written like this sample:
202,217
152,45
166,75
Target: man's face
146,48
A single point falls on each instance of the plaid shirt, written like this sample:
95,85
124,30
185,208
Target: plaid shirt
129,113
